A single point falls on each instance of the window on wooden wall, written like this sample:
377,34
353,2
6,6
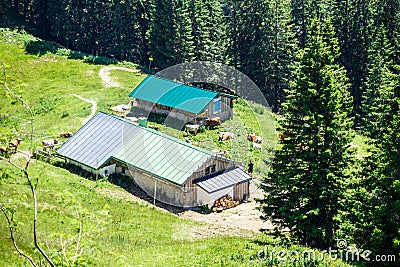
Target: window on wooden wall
210,169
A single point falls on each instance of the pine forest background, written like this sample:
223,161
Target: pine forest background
260,38
331,67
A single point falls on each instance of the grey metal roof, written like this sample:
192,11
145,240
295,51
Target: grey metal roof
106,136
224,180
98,140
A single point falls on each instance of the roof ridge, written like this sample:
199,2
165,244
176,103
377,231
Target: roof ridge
181,83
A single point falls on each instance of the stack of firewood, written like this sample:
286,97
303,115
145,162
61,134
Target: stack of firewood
224,203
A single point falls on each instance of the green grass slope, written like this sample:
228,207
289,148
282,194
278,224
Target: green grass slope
116,229
111,227
47,82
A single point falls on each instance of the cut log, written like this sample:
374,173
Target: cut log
223,203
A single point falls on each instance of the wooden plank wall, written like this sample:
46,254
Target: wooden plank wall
220,164
240,191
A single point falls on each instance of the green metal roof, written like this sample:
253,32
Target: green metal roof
106,136
162,156
172,94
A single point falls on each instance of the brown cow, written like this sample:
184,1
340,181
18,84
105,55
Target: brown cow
13,144
223,136
49,143
212,122
3,150
154,127
65,135
254,138
282,136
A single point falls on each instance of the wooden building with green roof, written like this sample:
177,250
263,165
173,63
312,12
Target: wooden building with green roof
172,171
179,101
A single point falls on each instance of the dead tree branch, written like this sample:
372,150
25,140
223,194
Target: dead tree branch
11,229
24,170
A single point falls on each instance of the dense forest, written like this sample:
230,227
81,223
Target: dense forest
260,38
330,66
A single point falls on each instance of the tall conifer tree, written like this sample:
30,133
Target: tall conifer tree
373,215
262,44
350,19
208,30
170,40
303,191
379,61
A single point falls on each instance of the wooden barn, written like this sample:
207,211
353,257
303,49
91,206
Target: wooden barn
179,101
172,171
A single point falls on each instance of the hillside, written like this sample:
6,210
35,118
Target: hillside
116,228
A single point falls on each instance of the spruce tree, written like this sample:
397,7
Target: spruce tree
262,44
351,19
208,30
282,53
305,186
250,42
379,60
373,216
170,40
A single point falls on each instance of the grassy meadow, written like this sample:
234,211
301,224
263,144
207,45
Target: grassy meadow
115,228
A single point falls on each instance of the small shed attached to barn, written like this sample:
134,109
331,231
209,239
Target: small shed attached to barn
179,101
172,171
234,183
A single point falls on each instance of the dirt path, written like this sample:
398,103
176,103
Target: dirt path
106,78
243,220
246,216
94,107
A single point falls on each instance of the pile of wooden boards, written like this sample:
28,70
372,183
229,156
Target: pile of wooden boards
223,203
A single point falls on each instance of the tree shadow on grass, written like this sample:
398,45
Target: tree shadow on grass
41,47
130,186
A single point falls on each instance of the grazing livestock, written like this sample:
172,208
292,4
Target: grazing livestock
255,145
212,122
154,127
258,139
49,143
223,136
252,137
192,128
65,135
3,150
13,145
282,136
